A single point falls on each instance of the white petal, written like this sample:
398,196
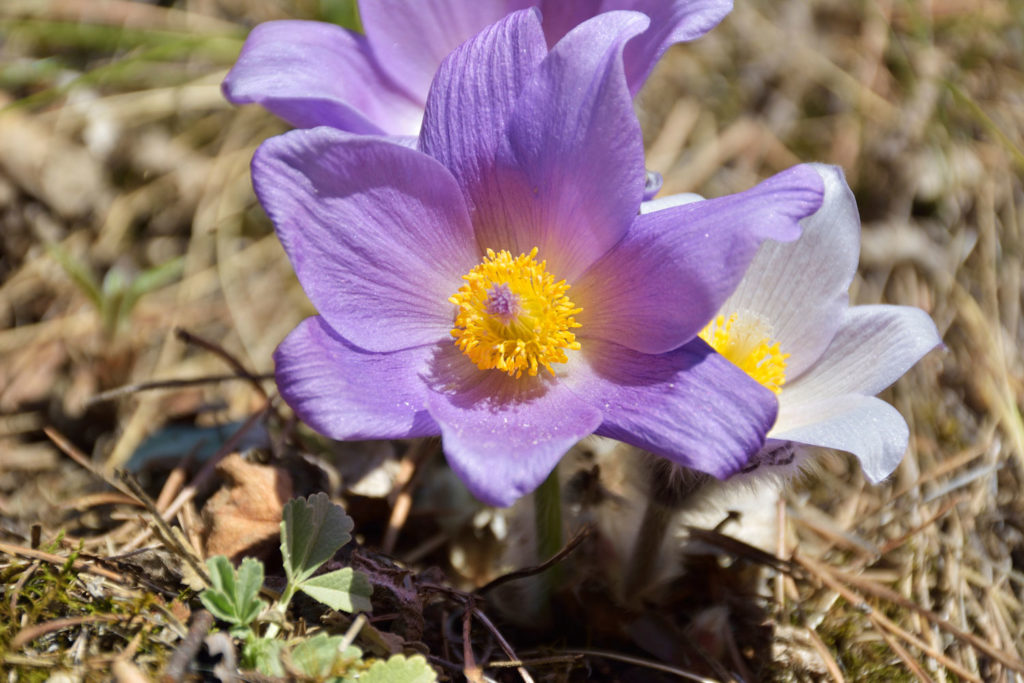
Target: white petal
874,346
669,201
801,287
866,426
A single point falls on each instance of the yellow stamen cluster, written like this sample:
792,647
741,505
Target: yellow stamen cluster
745,339
513,316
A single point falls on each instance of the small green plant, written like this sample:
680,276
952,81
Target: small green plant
116,296
312,530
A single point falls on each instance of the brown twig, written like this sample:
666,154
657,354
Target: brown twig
167,533
573,543
502,642
473,673
410,465
826,657
186,651
638,661
78,564
30,633
219,351
824,574
892,596
201,479
128,389
82,459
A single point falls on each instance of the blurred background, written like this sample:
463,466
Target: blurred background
126,212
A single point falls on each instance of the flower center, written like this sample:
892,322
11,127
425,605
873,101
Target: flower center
745,339
513,316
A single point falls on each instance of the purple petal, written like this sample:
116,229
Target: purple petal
472,98
315,74
501,435
560,16
378,233
675,268
411,38
866,426
571,171
672,21
802,287
690,405
345,393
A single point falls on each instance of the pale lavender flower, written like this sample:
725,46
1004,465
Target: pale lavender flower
498,285
789,325
316,74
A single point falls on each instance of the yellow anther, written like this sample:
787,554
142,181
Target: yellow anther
513,316
745,339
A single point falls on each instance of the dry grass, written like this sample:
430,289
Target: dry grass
119,150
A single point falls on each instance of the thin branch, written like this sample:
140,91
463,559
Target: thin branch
218,350
501,641
128,389
573,543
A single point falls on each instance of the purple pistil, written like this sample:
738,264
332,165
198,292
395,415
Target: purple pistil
502,303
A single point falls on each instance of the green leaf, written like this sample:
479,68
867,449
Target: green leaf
321,656
250,580
79,274
400,669
344,589
234,598
311,532
264,655
151,279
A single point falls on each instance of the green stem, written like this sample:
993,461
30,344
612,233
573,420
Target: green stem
644,558
282,609
547,505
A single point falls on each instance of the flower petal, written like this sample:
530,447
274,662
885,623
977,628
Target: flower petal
501,435
472,98
378,233
411,38
571,173
668,201
866,426
315,74
346,393
801,287
674,21
658,287
690,405
875,346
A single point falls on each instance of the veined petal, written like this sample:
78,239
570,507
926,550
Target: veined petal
672,21
347,393
690,405
411,38
560,17
658,287
316,74
378,233
874,346
801,288
503,436
571,172
866,426
472,98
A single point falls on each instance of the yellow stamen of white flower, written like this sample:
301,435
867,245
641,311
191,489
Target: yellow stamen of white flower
513,316
745,339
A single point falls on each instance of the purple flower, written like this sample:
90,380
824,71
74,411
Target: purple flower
499,287
316,74
789,325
